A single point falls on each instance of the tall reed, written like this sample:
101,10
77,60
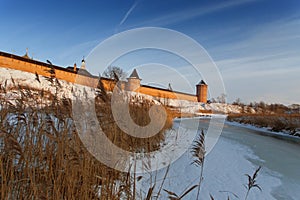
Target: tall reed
42,156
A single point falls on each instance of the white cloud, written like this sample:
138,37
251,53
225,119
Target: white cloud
265,66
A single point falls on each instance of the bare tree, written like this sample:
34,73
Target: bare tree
222,98
237,102
114,72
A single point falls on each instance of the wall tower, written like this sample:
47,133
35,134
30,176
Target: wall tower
83,64
133,82
201,92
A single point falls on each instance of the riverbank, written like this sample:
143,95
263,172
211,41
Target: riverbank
266,131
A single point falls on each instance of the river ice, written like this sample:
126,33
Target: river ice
239,151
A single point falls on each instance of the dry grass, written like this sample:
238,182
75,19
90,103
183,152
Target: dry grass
140,115
277,122
42,157
139,112
198,152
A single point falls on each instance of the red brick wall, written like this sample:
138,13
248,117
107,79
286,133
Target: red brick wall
27,65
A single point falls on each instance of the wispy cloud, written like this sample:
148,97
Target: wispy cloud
266,62
128,13
177,17
266,39
275,46
125,17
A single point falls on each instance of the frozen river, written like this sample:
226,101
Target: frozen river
279,158
239,151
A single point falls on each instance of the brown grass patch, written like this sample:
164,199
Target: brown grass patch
42,157
276,122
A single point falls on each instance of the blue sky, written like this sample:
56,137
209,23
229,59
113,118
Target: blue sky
255,44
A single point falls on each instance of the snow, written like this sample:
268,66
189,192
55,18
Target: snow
12,78
224,170
70,90
223,108
238,152
224,166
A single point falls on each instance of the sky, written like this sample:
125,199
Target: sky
255,44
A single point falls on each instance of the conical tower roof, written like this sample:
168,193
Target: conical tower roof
83,64
134,74
26,54
202,83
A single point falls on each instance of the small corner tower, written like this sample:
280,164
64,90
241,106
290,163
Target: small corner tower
82,64
82,70
133,82
75,67
201,92
26,54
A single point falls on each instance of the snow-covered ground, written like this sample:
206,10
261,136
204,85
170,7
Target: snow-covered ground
10,79
239,151
223,108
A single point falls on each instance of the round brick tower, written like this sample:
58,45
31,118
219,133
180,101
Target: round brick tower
133,82
201,91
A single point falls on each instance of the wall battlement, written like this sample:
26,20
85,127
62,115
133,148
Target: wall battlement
77,76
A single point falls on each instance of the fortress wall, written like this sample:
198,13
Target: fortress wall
32,66
187,97
166,93
108,84
23,66
42,69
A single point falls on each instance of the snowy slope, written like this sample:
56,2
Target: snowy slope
10,79
68,90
